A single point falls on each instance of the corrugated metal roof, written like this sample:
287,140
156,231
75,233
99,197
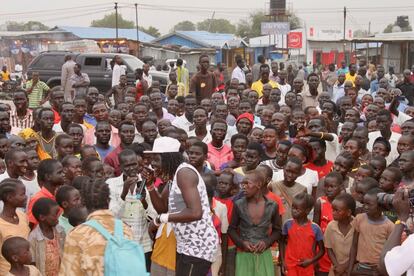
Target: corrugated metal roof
105,33
16,34
211,39
388,37
204,38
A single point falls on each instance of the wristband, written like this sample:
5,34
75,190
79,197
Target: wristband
164,218
157,221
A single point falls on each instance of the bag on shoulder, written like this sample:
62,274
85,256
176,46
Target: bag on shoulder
122,257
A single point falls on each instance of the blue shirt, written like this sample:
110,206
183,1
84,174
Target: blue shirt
342,70
103,152
89,119
374,86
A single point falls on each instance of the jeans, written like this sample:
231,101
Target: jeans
191,266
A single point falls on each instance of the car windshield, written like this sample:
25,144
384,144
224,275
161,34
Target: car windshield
132,62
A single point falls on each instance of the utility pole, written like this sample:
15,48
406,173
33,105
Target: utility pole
116,19
345,34
369,28
136,24
211,21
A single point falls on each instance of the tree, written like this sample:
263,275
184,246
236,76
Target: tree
28,26
151,31
216,26
108,21
399,24
252,26
184,26
360,33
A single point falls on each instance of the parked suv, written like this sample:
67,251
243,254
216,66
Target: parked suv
96,65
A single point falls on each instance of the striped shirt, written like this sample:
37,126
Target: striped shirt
37,93
22,122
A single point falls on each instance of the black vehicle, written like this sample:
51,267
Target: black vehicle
96,65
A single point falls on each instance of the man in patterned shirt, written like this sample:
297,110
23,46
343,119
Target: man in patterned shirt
22,117
37,91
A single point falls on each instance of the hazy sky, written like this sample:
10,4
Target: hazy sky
163,14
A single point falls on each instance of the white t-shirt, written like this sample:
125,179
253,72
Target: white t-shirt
117,72
332,148
400,259
309,179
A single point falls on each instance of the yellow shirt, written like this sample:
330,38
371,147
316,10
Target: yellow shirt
5,76
8,230
84,248
348,77
165,248
258,86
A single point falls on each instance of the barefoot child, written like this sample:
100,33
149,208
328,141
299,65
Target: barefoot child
339,234
253,216
16,250
300,237
12,222
47,238
68,197
323,211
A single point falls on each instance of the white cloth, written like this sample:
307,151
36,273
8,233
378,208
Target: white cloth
393,142
400,259
309,179
148,79
182,122
361,93
284,89
207,139
131,211
338,92
117,72
401,118
196,238
332,148
239,74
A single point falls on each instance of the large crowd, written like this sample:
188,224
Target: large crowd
263,170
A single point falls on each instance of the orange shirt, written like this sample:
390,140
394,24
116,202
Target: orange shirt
278,201
43,193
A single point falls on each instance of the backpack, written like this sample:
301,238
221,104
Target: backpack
122,257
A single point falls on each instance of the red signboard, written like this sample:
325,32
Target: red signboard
311,31
295,40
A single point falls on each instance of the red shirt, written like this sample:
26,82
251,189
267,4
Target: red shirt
322,171
57,116
229,204
43,193
300,243
326,217
219,157
112,160
278,201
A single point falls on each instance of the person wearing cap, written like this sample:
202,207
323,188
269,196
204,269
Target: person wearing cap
244,123
184,206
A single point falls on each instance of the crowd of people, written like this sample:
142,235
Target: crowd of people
262,171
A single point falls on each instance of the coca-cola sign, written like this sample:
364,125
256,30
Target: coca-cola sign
295,40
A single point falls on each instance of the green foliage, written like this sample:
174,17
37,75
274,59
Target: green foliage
108,21
216,26
151,30
28,26
184,26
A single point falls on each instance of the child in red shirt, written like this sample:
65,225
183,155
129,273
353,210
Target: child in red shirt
300,237
323,211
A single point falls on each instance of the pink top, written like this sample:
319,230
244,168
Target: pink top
90,138
219,157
